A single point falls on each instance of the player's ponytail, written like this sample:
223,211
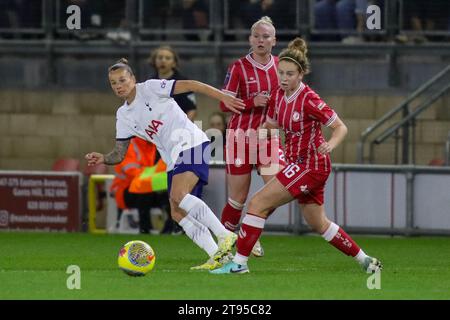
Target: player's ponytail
296,53
122,63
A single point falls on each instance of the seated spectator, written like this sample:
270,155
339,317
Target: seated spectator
351,15
92,17
166,62
21,14
155,15
9,17
115,17
235,20
422,16
280,12
325,19
194,16
348,17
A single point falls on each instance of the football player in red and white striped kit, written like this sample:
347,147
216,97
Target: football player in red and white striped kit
300,112
250,78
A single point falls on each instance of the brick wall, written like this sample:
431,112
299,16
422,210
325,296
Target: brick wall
37,127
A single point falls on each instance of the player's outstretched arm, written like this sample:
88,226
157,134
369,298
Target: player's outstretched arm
114,157
232,103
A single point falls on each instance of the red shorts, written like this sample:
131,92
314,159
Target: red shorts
266,154
306,185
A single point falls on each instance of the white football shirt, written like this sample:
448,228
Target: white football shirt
156,117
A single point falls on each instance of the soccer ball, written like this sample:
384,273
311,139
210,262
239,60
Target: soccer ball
136,258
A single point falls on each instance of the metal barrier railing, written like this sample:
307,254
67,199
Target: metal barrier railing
408,117
415,202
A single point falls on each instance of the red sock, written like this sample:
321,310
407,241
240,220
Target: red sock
230,217
251,229
337,237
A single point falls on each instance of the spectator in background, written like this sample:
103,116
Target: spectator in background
217,121
116,12
422,16
282,17
194,16
348,17
351,15
325,19
92,16
21,14
235,20
166,62
155,15
140,154
8,14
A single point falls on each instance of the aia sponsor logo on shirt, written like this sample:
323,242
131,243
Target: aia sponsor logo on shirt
152,128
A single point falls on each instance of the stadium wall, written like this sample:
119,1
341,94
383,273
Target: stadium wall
39,126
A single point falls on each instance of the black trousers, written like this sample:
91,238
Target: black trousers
143,202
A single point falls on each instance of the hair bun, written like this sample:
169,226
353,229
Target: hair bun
122,60
298,44
266,19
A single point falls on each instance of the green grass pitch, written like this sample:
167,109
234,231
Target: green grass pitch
33,266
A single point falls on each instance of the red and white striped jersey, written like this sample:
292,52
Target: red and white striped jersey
245,79
301,116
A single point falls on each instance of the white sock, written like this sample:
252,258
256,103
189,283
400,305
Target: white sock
199,234
240,259
361,256
197,209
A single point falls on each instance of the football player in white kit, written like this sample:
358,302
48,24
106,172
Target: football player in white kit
150,112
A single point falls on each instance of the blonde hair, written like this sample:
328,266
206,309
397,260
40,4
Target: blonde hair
264,20
296,52
122,63
152,59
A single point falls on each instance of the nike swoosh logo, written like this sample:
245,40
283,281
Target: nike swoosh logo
235,271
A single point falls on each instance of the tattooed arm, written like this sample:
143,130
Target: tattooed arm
114,157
